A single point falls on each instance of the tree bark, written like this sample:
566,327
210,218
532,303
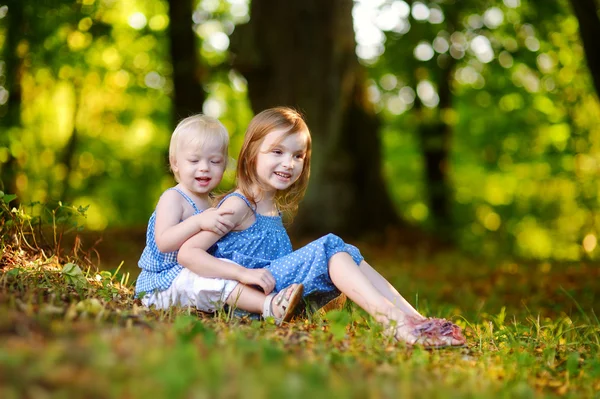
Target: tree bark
301,53
586,12
188,74
10,113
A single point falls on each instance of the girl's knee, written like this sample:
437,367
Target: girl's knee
334,240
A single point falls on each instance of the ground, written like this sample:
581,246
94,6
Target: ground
68,329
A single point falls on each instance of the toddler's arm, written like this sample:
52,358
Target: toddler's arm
193,255
171,231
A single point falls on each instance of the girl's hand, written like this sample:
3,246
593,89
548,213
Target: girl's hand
261,277
212,219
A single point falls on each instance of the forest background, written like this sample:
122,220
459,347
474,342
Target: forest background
477,121
456,142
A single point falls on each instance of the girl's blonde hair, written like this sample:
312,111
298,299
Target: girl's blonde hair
197,130
279,118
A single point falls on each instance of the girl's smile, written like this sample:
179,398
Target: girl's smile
280,159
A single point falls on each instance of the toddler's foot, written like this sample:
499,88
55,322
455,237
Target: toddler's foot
281,305
429,332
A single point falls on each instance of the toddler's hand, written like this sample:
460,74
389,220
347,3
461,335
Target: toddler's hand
213,220
260,277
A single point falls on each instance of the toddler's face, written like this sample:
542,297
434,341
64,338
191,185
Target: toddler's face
200,167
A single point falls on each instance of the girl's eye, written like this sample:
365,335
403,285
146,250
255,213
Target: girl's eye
216,162
300,156
278,152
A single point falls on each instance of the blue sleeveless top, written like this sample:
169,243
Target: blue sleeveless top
159,269
266,244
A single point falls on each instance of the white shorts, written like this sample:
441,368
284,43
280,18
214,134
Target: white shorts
189,289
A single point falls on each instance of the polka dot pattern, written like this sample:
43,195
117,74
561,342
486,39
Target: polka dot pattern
266,244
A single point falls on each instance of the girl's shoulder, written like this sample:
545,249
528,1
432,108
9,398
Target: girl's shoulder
238,203
243,214
238,199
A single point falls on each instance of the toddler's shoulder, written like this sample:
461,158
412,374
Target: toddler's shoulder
170,199
171,195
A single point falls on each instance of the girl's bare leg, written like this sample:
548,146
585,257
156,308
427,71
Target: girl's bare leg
252,300
246,298
388,290
349,279
353,282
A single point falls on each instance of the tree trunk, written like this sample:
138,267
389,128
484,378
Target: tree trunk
10,113
188,73
586,12
301,53
433,138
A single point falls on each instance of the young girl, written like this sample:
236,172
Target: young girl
198,157
273,171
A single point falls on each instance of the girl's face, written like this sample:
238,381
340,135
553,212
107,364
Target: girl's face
200,167
280,159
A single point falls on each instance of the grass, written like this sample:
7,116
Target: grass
69,330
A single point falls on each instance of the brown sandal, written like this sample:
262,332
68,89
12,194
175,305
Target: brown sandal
287,304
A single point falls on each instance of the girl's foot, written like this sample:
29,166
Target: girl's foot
281,305
431,333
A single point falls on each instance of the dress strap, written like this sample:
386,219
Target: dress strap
234,194
187,198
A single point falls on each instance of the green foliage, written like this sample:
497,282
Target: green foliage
107,65
73,275
338,320
523,122
96,94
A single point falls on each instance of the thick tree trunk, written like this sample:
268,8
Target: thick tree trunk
301,53
10,113
586,12
188,73
435,154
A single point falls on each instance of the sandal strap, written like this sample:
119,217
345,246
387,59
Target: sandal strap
287,305
434,332
267,306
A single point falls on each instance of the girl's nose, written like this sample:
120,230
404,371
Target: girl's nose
288,162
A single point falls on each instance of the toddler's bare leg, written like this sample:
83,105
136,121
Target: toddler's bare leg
388,290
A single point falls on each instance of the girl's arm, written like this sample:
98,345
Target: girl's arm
171,232
193,255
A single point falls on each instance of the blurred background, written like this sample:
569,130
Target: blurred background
475,122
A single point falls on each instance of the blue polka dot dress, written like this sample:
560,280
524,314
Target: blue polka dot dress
266,244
